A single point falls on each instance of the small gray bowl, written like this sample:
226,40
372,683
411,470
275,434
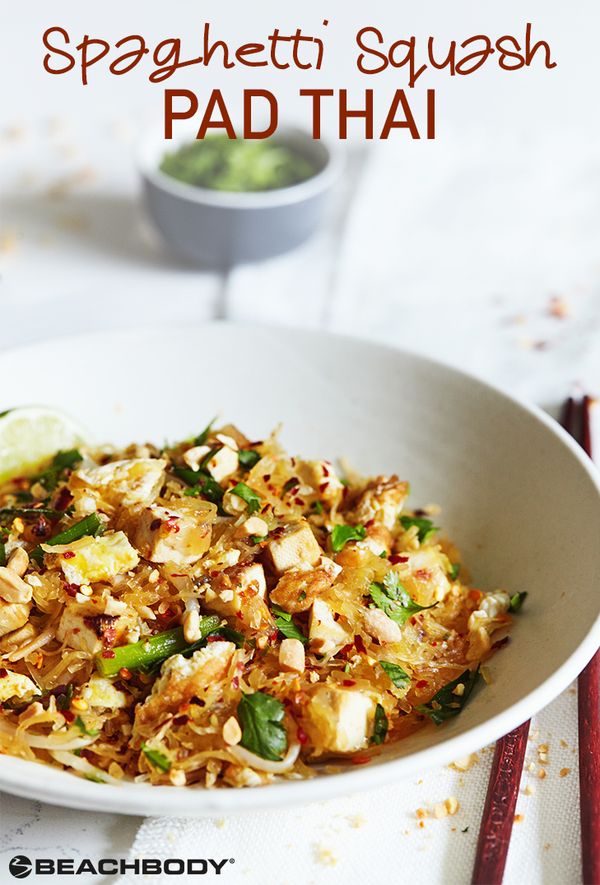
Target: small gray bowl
223,228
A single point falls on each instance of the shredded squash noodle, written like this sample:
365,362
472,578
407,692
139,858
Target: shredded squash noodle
217,613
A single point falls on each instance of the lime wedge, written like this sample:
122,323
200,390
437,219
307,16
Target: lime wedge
33,434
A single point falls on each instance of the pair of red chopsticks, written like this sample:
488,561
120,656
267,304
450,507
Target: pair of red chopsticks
505,776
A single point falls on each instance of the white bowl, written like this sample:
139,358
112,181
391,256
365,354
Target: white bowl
518,496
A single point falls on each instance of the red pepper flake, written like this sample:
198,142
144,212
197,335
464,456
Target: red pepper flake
108,653
155,525
302,736
183,575
422,683
3,672
215,637
323,487
68,715
235,682
64,499
181,720
360,760
348,682
267,477
71,589
359,644
172,524
124,673
395,558
370,523
68,554
325,468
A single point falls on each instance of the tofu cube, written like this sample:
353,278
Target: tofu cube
297,548
130,483
179,534
321,476
15,685
326,635
182,678
382,502
240,592
87,628
95,559
341,718
223,464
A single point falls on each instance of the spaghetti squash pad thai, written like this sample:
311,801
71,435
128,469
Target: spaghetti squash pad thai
218,613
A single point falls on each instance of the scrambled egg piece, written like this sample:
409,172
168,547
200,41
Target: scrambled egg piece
100,692
95,559
15,685
131,483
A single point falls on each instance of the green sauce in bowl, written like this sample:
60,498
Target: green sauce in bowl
225,164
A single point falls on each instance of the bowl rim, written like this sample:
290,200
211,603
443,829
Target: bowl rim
152,145
21,778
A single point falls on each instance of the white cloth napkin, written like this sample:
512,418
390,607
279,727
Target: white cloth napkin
377,835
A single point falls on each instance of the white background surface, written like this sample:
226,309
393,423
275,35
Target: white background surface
453,248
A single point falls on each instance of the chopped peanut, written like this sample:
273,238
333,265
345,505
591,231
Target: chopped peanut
18,561
291,655
232,733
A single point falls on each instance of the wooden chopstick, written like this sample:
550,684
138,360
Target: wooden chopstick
588,712
507,766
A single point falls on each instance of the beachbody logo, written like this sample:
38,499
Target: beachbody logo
20,866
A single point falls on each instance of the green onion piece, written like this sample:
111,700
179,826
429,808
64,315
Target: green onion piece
84,729
152,651
454,571
248,458
27,512
3,558
241,490
89,525
202,437
516,602
156,758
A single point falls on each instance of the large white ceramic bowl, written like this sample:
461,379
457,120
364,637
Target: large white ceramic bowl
519,497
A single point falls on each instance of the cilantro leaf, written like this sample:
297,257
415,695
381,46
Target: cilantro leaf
248,458
286,625
399,677
425,526
454,571
448,703
261,718
516,602
248,495
341,534
380,726
200,483
393,599
156,758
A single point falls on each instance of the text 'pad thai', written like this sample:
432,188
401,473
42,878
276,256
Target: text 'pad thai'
218,613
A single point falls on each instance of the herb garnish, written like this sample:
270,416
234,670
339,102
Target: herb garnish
241,490
425,526
380,726
261,717
248,458
84,729
399,677
62,461
317,507
448,703
200,482
454,571
392,598
341,534
516,602
285,624
202,437
89,525
156,758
